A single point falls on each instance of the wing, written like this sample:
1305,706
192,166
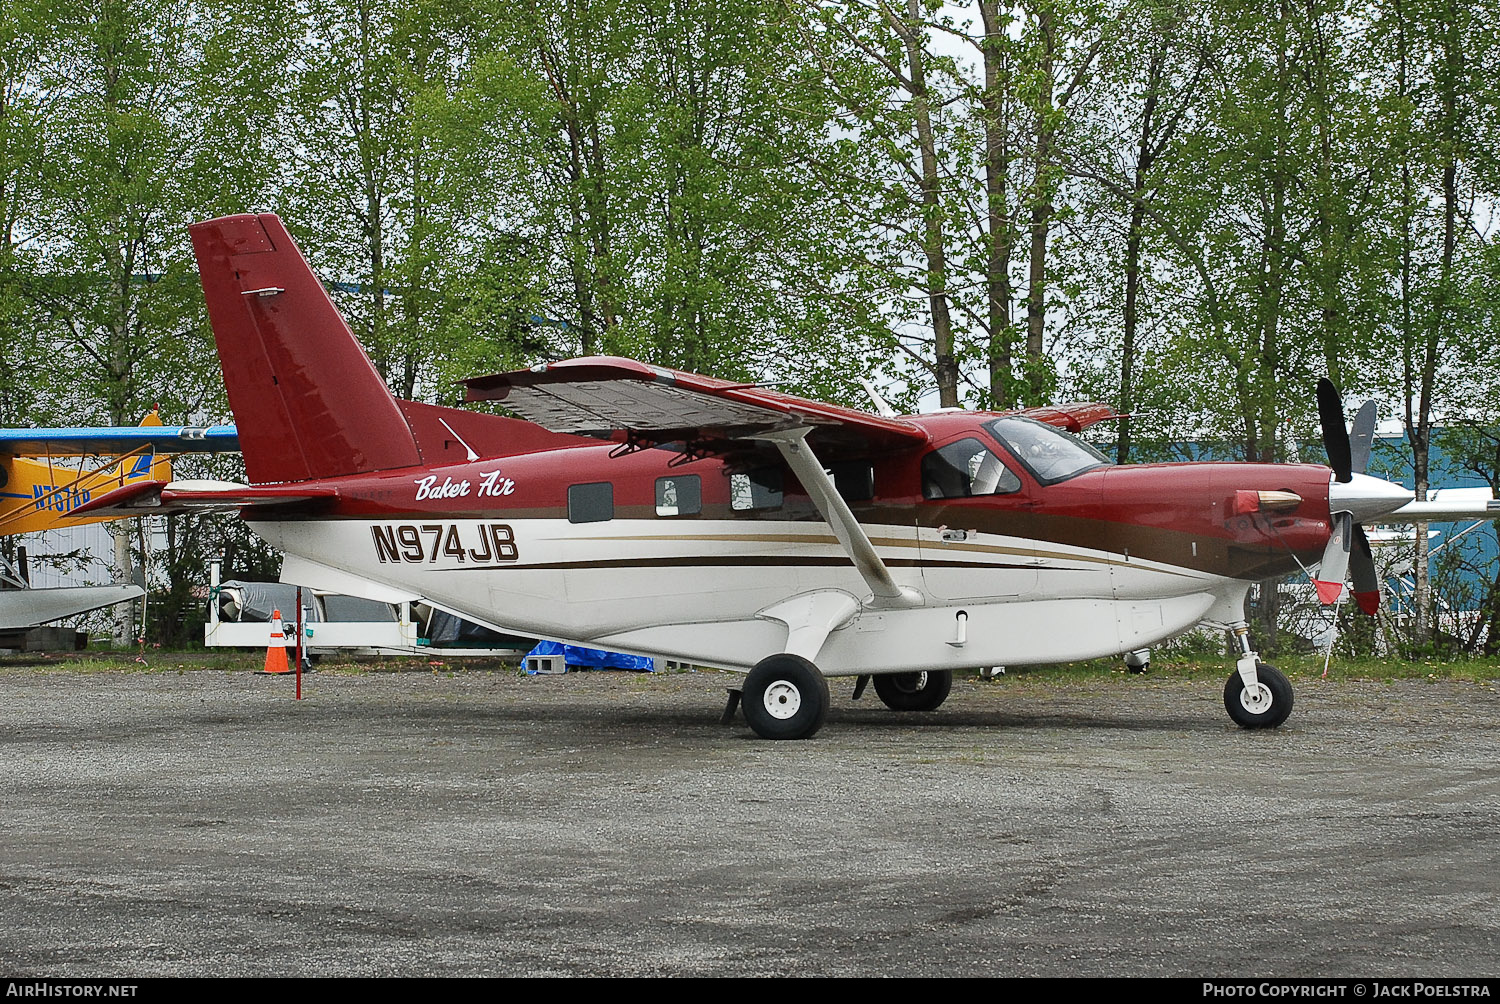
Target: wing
600,394
1073,417
105,441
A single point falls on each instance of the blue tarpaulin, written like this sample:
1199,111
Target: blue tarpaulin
591,658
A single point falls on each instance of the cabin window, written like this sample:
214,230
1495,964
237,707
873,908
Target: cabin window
592,503
966,468
855,480
757,489
680,495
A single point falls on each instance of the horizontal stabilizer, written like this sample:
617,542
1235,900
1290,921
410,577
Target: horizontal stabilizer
162,498
29,608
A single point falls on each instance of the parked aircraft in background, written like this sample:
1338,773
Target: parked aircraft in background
40,489
646,509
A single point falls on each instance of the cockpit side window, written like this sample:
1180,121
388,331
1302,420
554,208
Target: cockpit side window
964,469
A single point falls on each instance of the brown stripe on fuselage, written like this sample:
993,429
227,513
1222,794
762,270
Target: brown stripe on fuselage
934,548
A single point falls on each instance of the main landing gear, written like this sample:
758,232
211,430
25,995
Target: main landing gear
925,691
786,697
1257,695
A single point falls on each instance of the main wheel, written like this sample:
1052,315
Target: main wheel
785,697
1263,706
914,691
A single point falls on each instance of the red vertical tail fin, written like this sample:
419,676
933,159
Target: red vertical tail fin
306,398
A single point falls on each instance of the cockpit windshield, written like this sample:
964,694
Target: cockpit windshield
1051,454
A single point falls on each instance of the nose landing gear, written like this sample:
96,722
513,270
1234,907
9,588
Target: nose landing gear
1257,695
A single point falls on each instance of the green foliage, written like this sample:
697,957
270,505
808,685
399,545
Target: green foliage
1191,208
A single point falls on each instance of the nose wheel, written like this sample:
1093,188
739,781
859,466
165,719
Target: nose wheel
1264,704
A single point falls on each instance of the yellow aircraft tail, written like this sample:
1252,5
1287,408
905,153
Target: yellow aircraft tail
37,492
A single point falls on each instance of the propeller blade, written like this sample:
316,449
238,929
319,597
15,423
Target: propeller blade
1335,563
1362,437
1335,435
1364,578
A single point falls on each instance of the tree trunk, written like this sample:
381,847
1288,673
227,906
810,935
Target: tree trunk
1041,209
1145,155
933,236
1000,234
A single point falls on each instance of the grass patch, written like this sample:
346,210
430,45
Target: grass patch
1195,667
1294,666
233,660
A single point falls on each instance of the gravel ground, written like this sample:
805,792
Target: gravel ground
605,824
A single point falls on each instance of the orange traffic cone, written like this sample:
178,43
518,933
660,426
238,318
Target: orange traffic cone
276,650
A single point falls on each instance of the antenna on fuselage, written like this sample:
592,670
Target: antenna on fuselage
472,455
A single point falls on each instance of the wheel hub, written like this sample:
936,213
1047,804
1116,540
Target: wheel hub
782,699
1256,699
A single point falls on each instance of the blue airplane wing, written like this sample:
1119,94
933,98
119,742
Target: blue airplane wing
104,441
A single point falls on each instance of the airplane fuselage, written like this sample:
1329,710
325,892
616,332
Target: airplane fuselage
645,552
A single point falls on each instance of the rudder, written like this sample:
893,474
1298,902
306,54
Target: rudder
307,400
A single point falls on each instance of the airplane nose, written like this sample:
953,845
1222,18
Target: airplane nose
1366,498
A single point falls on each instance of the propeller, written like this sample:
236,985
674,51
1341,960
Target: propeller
1348,550
1335,437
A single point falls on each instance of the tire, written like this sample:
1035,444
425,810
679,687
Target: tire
785,697
1274,686
914,691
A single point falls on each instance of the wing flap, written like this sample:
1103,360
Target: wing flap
626,404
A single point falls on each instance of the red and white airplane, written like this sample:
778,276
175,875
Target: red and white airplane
731,525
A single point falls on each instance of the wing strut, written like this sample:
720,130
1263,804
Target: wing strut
835,511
